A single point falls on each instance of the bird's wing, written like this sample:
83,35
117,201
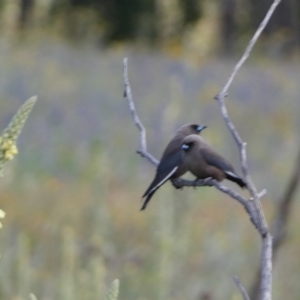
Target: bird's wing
216,160
166,168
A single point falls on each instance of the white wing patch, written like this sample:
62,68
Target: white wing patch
163,181
231,174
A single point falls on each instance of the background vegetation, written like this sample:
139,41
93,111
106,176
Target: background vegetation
72,194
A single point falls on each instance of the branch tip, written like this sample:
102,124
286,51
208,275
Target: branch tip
241,288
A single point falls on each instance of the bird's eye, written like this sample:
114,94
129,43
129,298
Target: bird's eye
185,147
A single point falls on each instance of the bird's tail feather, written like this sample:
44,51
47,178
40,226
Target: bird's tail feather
147,200
236,179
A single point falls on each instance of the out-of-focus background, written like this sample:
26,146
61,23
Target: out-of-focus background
72,196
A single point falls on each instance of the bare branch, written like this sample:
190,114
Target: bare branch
266,268
253,206
261,194
263,227
266,257
256,289
241,288
242,146
250,46
181,182
127,93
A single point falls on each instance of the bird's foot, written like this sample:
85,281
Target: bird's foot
176,185
194,184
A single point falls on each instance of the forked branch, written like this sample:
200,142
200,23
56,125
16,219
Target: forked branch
252,205
242,145
266,258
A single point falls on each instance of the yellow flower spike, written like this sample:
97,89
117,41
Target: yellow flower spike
4,146
15,126
8,147
14,150
8,155
2,214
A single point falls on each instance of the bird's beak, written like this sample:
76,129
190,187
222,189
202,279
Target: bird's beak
185,147
201,127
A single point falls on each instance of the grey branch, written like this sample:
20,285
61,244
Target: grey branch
127,93
241,288
262,226
242,146
252,206
266,256
250,46
266,268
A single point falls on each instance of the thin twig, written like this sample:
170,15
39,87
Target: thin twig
250,46
263,227
127,93
241,288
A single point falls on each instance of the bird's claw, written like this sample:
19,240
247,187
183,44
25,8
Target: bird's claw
194,184
206,181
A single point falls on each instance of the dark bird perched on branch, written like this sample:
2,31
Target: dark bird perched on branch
202,161
171,165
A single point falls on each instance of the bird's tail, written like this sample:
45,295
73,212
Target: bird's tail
233,177
147,200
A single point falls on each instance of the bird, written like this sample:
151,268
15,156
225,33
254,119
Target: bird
204,162
170,165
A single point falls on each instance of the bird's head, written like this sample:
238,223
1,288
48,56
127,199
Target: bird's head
188,129
189,142
197,128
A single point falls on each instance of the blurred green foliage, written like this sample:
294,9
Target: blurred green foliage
218,25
